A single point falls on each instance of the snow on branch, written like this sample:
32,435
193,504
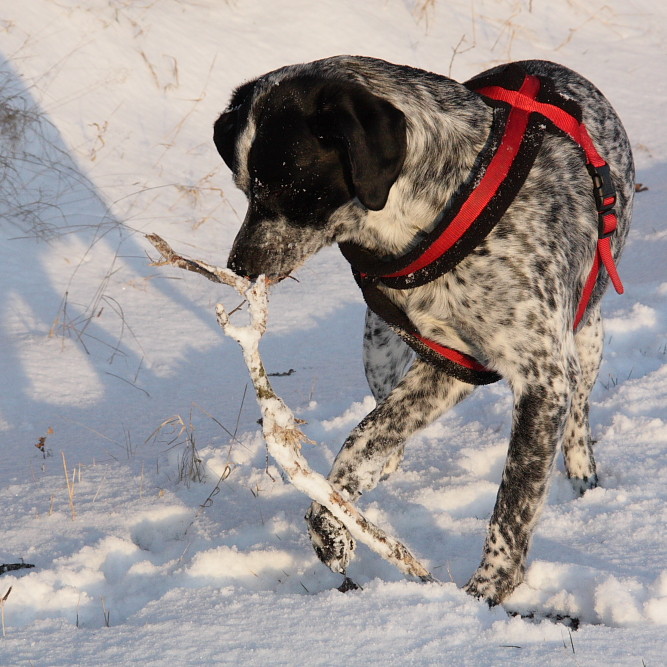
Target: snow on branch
280,427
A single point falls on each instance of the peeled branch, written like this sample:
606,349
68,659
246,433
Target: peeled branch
280,428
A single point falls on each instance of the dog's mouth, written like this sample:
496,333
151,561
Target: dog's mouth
274,280
274,253
252,270
271,279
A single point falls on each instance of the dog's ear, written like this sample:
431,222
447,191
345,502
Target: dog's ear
226,129
371,132
225,133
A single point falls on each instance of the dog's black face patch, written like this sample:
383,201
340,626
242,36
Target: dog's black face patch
317,144
296,171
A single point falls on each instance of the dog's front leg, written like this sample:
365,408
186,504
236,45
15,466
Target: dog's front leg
540,414
419,398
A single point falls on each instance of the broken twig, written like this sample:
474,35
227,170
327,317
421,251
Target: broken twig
280,427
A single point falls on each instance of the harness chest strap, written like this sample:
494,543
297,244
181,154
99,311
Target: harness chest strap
483,205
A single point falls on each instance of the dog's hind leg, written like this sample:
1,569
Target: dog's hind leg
577,443
419,398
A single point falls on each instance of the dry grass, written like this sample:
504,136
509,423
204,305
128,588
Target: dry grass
36,170
173,433
423,11
37,175
70,486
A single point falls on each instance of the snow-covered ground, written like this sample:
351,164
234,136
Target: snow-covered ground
105,135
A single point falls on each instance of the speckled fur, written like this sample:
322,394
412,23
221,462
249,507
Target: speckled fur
510,303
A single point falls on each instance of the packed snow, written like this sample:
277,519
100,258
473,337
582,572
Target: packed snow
133,474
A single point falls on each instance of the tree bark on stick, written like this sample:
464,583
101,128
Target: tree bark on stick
280,428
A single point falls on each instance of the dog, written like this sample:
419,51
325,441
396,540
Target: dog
374,156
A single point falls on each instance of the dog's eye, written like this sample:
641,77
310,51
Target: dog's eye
272,191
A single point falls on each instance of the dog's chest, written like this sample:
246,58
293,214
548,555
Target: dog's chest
441,310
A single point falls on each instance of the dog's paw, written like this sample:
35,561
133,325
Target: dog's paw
583,484
493,588
332,542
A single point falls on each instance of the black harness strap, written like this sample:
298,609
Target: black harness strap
454,363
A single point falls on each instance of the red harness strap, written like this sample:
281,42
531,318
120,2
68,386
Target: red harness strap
603,187
493,177
495,174
482,373
482,206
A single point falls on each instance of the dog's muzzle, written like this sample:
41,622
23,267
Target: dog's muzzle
254,268
240,269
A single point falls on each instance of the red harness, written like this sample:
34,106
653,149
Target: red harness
523,102
603,187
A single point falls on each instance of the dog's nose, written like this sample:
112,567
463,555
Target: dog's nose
233,264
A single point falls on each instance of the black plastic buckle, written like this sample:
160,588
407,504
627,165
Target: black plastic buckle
605,196
603,187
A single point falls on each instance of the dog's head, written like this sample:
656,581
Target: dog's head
309,151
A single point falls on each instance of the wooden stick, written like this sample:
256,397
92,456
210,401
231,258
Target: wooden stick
279,426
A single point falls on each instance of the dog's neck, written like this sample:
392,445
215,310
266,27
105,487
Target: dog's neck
443,144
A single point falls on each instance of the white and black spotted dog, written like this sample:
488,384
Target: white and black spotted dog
375,157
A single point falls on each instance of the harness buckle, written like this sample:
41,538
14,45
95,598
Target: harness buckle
603,187
605,198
